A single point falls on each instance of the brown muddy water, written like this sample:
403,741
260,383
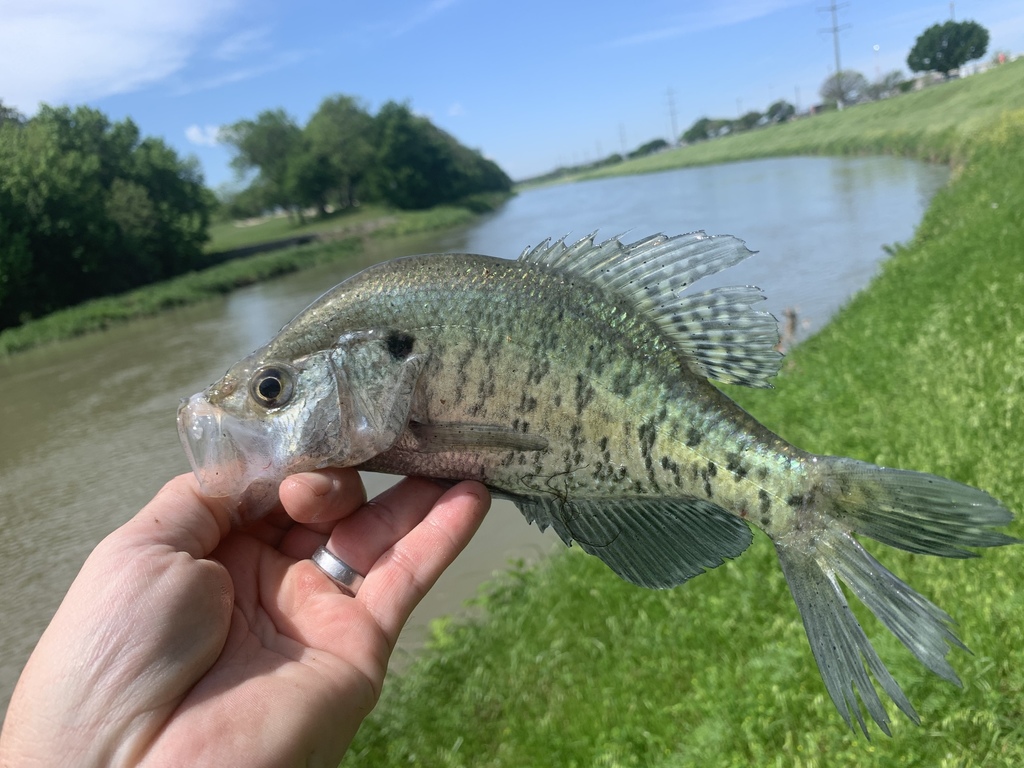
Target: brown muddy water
87,427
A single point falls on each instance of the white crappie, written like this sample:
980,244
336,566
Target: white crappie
575,381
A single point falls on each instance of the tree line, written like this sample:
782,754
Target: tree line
89,207
942,48
343,155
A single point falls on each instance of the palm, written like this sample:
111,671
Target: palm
185,642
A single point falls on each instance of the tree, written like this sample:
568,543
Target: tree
886,86
649,148
699,131
340,136
343,155
748,121
88,208
417,165
10,114
780,111
947,47
846,87
267,145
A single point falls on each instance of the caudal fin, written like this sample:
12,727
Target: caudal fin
911,510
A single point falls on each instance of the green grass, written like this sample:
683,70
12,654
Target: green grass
226,235
572,667
374,220
937,124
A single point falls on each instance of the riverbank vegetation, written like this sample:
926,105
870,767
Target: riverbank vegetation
90,208
221,278
925,369
937,124
344,156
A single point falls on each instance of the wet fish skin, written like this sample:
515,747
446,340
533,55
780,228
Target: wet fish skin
575,382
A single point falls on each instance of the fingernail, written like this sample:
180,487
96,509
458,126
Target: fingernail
319,484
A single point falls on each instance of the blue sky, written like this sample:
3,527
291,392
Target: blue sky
532,83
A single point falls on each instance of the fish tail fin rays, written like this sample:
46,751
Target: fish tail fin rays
909,510
915,511
718,332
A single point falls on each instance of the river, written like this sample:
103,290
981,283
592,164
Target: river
88,432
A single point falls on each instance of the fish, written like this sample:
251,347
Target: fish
579,381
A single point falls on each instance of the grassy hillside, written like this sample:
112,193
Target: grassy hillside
937,124
924,370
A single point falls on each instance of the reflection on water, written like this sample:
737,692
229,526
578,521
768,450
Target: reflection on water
88,425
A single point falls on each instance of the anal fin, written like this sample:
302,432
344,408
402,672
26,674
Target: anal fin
656,543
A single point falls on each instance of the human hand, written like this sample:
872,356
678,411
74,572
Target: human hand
184,642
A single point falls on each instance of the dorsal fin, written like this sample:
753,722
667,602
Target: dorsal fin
721,335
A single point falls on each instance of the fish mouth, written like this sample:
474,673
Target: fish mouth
226,454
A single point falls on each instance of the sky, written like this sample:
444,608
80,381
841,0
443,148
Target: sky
532,84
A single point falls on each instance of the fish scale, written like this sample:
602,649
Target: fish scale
576,381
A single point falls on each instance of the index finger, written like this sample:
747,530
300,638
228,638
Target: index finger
409,568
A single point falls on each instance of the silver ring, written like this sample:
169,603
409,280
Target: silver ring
337,570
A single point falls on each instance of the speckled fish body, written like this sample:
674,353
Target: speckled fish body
575,381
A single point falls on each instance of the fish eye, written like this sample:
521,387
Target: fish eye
272,386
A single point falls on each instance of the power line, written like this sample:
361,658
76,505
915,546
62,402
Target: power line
835,29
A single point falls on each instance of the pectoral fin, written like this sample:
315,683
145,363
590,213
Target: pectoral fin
655,543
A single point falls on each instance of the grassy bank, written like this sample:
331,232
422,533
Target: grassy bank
935,124
374,220
924,370
222,278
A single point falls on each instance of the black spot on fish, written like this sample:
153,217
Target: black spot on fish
797,500
712,469
558,400
766,502
707,483
735,465
646,434
623,381
584,394
576,436
762,473
602,444
527,403
671,466
693,437
399,344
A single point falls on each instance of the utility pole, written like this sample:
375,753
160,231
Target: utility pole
835,29
672,116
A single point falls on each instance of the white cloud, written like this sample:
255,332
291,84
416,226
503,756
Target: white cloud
237,75
707,17
242,44
75,50
423,15
203,135
456,110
